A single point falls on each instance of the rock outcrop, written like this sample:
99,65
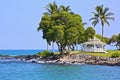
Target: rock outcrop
89,59
68,59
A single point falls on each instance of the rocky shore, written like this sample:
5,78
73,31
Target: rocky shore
69,59
88,59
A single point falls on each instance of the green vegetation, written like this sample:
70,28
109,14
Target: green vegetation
111,53
52,53
89,32
104,39
101,15
115,40
115,55
43,54
63,27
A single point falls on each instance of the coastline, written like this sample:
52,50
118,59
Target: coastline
69,59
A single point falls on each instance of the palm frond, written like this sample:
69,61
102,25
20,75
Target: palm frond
101,9
94,23
105,11
68,8
63,8
52,8
94,18
55,7
107,22
109,14
49,11
84,23
110,18
49,8
46,13
72,13
95,14
97,9
39,28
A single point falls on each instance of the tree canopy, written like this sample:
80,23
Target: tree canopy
63,27
115,40
104,39
89,33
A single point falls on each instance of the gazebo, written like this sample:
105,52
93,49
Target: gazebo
94,45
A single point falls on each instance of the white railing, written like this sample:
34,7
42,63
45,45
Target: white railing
94,50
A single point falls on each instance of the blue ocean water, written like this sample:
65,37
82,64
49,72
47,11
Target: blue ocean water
21,52
16,70
32,71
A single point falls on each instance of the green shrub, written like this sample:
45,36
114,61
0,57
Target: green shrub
115,55
52,53
38,54
43,54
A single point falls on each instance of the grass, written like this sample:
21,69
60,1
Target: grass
72,52
113,51
56,52
101,54
110,52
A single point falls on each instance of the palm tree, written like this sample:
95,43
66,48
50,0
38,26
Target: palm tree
63,8
101,15
52,8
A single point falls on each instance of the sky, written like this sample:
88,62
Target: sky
19,20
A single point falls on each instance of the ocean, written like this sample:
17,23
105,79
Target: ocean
17,70
21,52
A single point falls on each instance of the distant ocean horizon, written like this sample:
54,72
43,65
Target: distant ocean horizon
35,51
15,52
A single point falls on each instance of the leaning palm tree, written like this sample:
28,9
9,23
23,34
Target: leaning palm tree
101,15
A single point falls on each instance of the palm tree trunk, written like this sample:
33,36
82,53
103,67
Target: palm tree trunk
77,44
102,32
52,46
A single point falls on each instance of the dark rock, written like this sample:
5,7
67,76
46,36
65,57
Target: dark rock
68,59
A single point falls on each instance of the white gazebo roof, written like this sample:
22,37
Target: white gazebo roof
95,41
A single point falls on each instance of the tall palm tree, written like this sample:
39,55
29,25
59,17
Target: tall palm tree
101,15
52,8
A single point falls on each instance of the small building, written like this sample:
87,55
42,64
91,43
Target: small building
94,45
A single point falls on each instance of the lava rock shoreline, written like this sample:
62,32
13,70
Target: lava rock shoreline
67,59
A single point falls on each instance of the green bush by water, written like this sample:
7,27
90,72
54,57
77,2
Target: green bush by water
43,54
115,55
52,54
